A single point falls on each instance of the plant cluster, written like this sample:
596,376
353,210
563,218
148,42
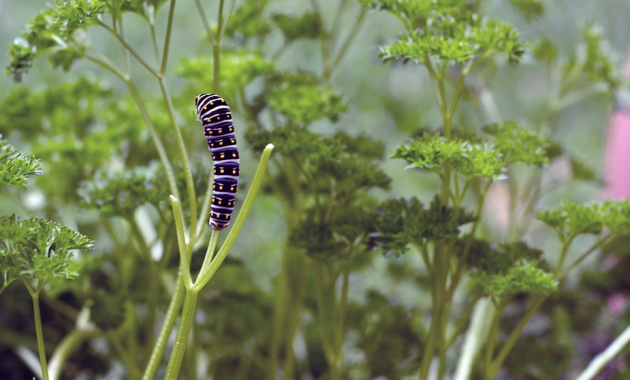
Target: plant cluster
130,176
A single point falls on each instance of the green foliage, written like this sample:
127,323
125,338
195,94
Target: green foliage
529,8
518,144
570,220
450,40
301,98
509,268
432,151
419,13
240,67
120,194
247,21
308,25
40,249
401,222
53,31
15,167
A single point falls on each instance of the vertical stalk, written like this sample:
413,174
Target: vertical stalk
40,335
169,321
183,333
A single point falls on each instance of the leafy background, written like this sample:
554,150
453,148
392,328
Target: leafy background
385,101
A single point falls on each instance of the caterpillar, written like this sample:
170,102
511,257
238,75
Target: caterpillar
216,118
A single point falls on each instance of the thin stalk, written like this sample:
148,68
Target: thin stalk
461,325
183,333
132,370
329,67
67,347
600,361
206,273
39,333
129,49
326,344
205,208
181,242
212,245
513,337
159,146
156,48
169,321
204,20
583,256
473,338
190,185
336,24
167,40
227,19
492,336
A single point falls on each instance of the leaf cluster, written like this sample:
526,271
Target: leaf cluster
432,151
15,167
238,68
570,220
247,21
509,268
308,26
518,144
402,222
53,31
39,248
302,99
450,39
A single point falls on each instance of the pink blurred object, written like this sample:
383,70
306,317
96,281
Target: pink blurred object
617,160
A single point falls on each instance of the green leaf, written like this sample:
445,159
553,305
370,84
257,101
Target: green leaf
53,31
419,13
507,268
15,167
238,68
40,249
570,220
522,277
308,25
301,98
432,151
402,222
518,144
451,40
248,21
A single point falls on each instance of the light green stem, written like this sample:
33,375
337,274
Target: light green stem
40,335
68,345
167,327
206,273
183,333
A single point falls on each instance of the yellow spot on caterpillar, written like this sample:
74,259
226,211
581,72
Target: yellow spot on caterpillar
222,171
220,142
219,202
222,155
231,188
233,171
214,187
220,130
233,154
205,108
220,187
211,103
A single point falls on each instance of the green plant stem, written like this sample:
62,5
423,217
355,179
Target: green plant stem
461,325
129,49
204,20
205,208
513,337
169,321
39,333
206,273
167,39
600,361
473,340
190,185
212,245
68,345
184,253
327,345
132,370
183,333
492,336
157,141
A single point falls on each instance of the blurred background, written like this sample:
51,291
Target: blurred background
387,102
